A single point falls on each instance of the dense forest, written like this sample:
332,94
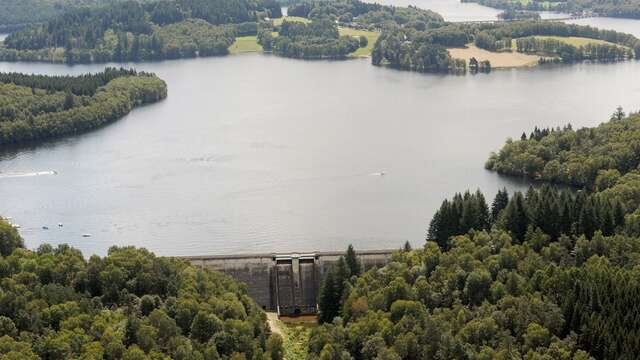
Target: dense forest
132,31
130,305
15,14
611,8
38,107
550,274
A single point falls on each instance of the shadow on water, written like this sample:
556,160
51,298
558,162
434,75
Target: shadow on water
522,182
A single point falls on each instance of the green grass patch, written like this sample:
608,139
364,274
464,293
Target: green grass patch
279,21
576,41
245,44
372,36
571,40
296,340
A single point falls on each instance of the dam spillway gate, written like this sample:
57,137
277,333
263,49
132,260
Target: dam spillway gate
286,283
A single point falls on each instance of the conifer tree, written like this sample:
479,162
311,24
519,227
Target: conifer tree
587,222
329,300
353,264
499,203
515,217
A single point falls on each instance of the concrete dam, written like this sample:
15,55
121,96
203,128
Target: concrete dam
286,283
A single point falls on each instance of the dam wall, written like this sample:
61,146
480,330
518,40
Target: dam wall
286,283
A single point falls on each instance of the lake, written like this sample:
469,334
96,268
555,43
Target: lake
255,153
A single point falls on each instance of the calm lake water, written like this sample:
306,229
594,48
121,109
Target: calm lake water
254,153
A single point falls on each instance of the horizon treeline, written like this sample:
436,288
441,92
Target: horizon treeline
555,212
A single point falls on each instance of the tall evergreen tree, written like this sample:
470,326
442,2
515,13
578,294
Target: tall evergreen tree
484,218
353,264
499,203
515,217
587,222
329,300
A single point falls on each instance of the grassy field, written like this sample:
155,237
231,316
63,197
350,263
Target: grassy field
497,59
571,40
295,336
245,44
279,21
575,41
296,339
370,35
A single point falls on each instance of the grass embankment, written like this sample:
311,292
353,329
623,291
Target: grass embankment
249,44
278,22
498,59
245,44
294,335
296,340
371,36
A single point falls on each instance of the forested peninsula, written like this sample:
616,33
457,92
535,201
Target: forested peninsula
129,305
40,107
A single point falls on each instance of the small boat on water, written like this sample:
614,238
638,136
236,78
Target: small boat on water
45,228
60,225
16,226
86,235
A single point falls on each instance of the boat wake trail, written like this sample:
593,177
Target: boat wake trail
28,174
